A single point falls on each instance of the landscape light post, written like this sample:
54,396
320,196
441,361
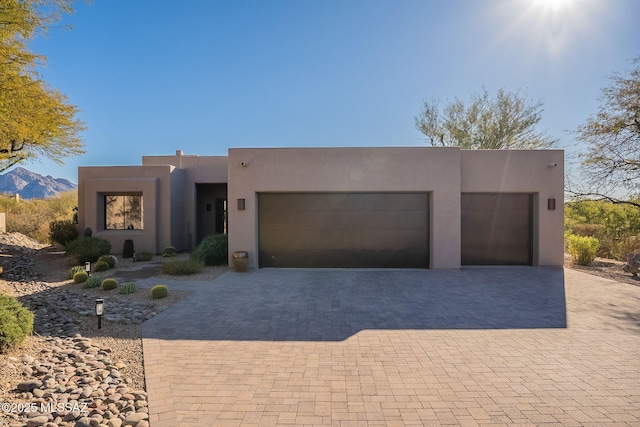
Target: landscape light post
87,268
99,311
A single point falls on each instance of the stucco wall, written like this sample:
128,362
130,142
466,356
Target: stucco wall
154,184
421,169
191,170
540,172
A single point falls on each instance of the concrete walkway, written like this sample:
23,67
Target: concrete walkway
482,346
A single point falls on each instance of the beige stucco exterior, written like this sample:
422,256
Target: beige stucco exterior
169,185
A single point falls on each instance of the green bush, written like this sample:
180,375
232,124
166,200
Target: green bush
92,282
109,259
75,269
583,249
159,291
144,256
63,231
16,322
100,266
80,277
88,249
181,267
213,250
169,252
128,288
109,284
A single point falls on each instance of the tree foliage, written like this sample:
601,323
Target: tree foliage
35,119
612,160
506,121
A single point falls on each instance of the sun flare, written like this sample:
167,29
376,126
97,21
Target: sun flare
553,5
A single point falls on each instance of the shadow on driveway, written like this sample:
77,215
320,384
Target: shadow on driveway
332,305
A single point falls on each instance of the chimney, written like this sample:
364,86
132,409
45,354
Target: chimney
179,153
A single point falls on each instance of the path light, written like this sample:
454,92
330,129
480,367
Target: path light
99,311
87,268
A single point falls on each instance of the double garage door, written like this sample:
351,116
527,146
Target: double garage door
345,230
387,230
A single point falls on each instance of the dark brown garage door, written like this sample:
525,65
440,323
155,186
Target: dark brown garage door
497,229
346,230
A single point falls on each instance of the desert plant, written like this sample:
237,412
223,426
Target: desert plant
88,232
63,231
169,251
92,282
159,291
181,267
144,256
88,249
109,259
109,284
80,277
16,322
213,250
127,288
75,269
100,266
583,249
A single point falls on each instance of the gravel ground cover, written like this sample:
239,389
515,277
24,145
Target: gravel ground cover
68,361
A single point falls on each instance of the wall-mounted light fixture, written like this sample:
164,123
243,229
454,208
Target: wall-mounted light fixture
552,165
244,164
551,204
240,204
99,311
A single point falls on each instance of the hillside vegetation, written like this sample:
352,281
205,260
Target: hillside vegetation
32,217
616,226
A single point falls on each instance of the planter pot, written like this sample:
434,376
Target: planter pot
240,261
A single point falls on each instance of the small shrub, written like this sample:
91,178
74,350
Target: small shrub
109,259
88,232
169,252
181,267
80,277
100,266
16,322
213,250
92,282
128,288
88,249
62,231
75,269
583,249
144,256
109,284
159,291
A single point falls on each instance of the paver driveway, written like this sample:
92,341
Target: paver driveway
483,346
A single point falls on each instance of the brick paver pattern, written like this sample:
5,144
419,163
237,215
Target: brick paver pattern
475,347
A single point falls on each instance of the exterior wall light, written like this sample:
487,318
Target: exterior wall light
240,204
551,204
99,311
87,268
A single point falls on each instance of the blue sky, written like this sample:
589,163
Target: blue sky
154,76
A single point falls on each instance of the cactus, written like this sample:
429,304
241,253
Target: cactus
73,270
109,259
128,288
159,291
100,266
92,282
80,277
109,284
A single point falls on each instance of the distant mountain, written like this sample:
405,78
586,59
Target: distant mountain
30,185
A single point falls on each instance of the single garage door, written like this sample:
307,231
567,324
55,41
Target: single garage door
345,230
497,229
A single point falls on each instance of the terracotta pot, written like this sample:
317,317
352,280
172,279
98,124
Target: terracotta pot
240,261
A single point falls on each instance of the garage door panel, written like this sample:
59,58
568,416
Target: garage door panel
343,230
497,229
